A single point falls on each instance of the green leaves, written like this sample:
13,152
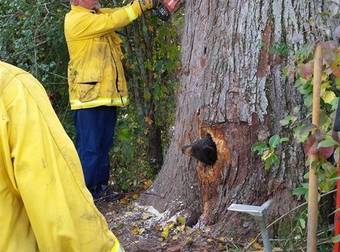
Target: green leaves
173,227
267,151
328,142
301,191
336,238
288,120
270,159
32,38
275,140
321,142
302,132
151,63
259,147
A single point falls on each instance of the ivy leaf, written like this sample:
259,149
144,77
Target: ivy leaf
301,133
334,103
316,164
325,85
328,142
274,141
270,159
275,159
267,166
335,179
288,120
302,190
326,185
300,82
325,121
329,168
259,147
337,82
306,89
307,100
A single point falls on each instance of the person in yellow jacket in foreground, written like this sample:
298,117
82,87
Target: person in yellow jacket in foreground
44,203
96,80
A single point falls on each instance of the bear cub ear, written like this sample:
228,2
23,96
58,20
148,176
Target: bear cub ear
203,149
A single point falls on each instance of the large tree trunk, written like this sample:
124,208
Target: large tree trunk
233,88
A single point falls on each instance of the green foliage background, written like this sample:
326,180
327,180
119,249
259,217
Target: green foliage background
326,147
32,38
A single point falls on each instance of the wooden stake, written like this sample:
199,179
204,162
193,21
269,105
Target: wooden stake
313,178
336,246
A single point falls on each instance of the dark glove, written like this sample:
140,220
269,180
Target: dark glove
148,4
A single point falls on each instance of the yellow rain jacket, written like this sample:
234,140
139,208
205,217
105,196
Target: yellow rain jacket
95,71
44,203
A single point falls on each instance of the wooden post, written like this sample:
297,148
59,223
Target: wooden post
313,178
336,247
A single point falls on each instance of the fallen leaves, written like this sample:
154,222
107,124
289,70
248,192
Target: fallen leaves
167,229
175,227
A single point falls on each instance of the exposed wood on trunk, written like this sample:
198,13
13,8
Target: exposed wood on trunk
211,176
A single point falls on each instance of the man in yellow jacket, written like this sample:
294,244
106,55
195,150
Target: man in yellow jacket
96,80
44,203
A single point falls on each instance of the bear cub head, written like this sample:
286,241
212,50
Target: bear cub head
203,149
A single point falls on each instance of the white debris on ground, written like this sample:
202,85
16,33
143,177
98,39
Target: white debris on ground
144,228
146,216
153,211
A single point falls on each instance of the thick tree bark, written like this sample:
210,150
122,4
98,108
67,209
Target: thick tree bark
233,88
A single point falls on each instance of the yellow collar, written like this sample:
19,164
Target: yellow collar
78,8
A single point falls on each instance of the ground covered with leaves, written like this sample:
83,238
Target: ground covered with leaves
144,229
141,228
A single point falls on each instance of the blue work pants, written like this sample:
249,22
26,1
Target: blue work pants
94,138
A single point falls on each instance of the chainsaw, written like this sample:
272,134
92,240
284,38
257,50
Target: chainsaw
167,8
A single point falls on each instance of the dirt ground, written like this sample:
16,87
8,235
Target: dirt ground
144,229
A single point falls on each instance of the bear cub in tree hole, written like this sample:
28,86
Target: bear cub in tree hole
203,149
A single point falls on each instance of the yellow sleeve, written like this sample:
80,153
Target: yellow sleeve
87,25
48,174
107,10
